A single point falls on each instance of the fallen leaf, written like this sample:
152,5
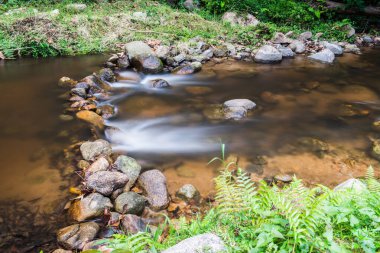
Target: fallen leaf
75,190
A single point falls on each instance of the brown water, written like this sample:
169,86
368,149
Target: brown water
34,177
179,130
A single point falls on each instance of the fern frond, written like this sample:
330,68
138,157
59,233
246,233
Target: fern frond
372,183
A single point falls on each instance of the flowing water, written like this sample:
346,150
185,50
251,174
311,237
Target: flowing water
299,105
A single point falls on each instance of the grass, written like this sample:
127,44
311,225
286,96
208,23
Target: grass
104,27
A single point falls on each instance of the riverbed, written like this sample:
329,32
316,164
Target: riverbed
312,120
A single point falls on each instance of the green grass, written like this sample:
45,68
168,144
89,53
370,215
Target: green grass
104,27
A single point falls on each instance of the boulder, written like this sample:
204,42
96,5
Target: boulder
91,117
162,52
286,52
130,203
90,206
101,164
297,46
350,31
351,184
268,54
188,192
209,243
79,92
129,167
280,38
153,183
305,36
77,235
92,149
105,182
143,58
336,49
367,39
324,56
133,224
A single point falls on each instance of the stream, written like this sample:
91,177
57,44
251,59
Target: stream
312,120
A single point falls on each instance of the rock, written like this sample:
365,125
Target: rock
66,82
188,192
107,75
77,235
268,54
350,31
297,46
352,48
376,40
79,92
280,38
314,145
159,84
187,69
107,111
220,51
123,62
133,224
154,184
91,150
66,117
305,36
351,184
233,19
367,39
230,17
179,58
286,52
251,20
190,5
101,164
90,206
336,49
62,251
162,52
209,243
324,56
91,117
130,203
76,7
245,103
375,149
143,58
83,85
208,54
283,178
130,167
105,182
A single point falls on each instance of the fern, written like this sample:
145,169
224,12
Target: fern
372,183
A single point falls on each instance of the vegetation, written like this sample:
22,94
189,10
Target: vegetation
42,28
272,219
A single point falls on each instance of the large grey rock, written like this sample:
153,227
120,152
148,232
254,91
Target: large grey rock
240,102
188,192
268,54
130,202
351,184
286,52
350,31
336,49
133,224
129,167
154,184
367,39
77,235
143,58
280,38
162,52
90,206
91,150
352,48
305,36
105,182
101,164
324,56
209,243
297,46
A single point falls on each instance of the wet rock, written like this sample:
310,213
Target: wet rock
82,164
133,224
91,150
101,164
352,48
77,235
107,111
208,54
305,36
123,62
297,46
367,39
245,103
143,58
179,58
286,52
130,203
324,56
336,49
91,117
268,54
107,75
280,38
90,206
160,84
351,184
188,69
76,7
188,192
283,178
201,243
154,184
65,117
66,82
105,182
129,167
79,92
82,85
236,113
